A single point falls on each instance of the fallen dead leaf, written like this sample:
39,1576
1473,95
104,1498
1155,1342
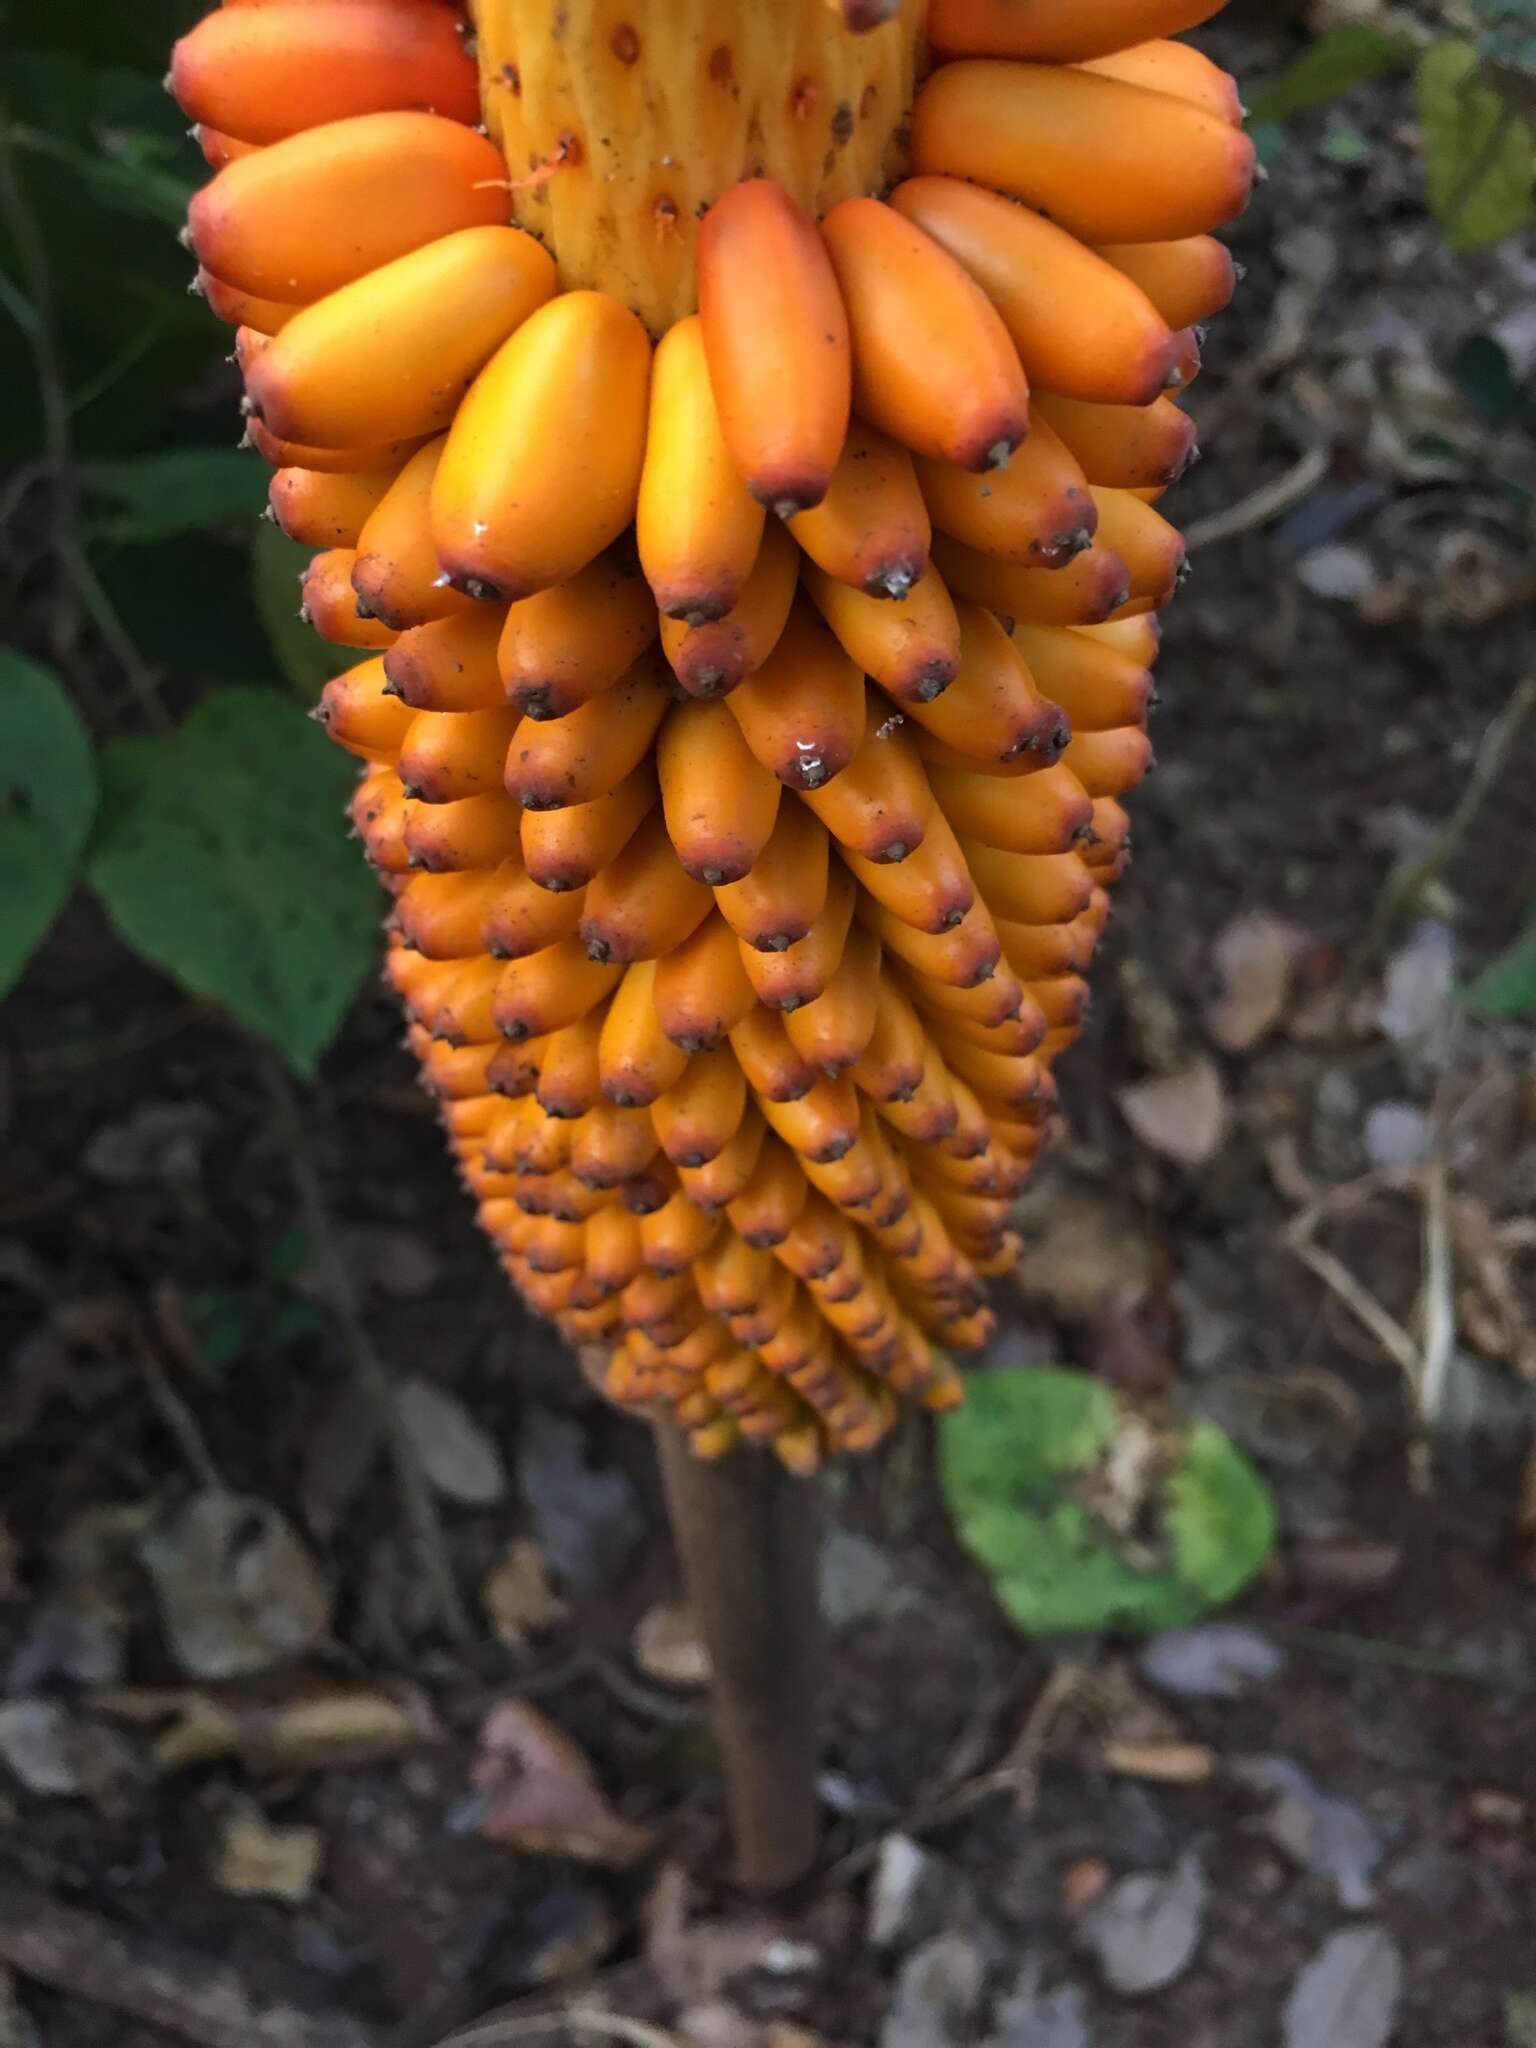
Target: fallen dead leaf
695,1961
1254,957
1145,1929
1488,1806
1127,1355
936,1996
1218,1660
458,1457
518,1598
34,1745
238,1591
1182,1115
1418,983
1344,1566
1162,1763
1084,1881
667,1646
1330,1837
1348,1995
159,1141
1082,1252
304,1726
542,1794
911,1895
1032,2017
257,1860
586,1516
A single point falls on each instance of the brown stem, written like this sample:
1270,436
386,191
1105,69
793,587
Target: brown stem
746,1536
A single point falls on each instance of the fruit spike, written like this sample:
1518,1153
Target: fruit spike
744,499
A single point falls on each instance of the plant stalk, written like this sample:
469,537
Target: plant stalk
621,125
746,1534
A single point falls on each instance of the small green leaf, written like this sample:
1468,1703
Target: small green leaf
47,795
303,658
1335,64
1029,1465
1507,987
1345,145
159,496
1480,151
221,858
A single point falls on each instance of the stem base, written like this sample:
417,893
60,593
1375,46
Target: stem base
746,1534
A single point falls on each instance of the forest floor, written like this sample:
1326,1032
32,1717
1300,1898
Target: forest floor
1314,1229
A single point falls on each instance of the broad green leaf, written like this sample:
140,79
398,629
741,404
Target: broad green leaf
188,606
303,658
1027,1465
1479,150
47,795
221,858
1335,64
159,496
1507,987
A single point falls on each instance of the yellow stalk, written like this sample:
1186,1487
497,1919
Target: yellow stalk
621,120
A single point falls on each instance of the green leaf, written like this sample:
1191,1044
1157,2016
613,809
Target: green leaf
303,658
221,858
1018,1430
159,496
1345,145
47,795
1335,64
188,606
1480,152
1030,1466
1507,987
1221,1518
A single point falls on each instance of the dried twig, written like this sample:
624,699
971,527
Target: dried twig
174,1988
1384,1327
1353,1649
372,1374
1437,1301
178,1418
1264,504
1018,1772
579,2023
1407,883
